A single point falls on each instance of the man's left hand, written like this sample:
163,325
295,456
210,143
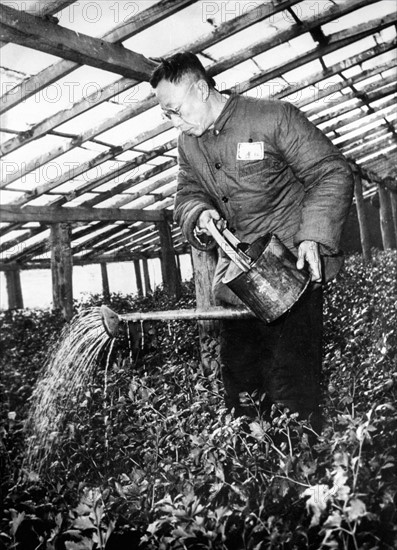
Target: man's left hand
308,252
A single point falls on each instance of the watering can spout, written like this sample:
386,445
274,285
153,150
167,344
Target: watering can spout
110,320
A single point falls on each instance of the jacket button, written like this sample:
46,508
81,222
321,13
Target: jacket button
216,132
218,165
225,199
232,230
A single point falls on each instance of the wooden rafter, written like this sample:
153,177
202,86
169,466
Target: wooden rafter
345,106
132,240
122,116
213,70
42,9
349,37
128,28
46,36
153,15
336,128
283,37
129,184
12,213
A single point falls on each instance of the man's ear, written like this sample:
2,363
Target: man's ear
204,90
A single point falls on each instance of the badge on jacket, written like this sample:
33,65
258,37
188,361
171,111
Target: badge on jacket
250,151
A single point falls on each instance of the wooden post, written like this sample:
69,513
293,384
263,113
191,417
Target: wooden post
204,264
14,289
386,218
146,276
105,282
362,218
178,266
61,269
393,200
138,278
171,280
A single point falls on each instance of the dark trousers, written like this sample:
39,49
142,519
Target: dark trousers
281,359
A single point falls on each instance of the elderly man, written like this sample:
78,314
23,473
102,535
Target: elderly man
263,167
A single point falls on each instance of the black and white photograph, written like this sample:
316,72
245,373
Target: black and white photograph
198,275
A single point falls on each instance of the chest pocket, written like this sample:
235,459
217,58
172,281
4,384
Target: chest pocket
267,167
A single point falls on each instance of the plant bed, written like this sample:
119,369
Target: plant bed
154,461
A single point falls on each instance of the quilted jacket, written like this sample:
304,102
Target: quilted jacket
266,168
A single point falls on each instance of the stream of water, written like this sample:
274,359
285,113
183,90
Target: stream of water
70,366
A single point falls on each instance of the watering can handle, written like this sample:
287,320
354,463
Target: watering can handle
228,243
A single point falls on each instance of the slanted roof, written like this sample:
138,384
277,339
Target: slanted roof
82,137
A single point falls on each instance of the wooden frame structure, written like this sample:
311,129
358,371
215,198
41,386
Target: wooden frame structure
114,202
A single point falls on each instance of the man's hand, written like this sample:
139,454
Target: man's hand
203,220
308,252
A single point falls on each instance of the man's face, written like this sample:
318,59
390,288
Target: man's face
183,103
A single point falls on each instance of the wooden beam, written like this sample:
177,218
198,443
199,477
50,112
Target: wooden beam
105,282
171,281
62,270
230,27
91,185
107,257
16,172
14,289
48,124
372,91
336,126
146,276
362,218
204,264
386,219
148,17
370,149
138,278
312,55
128,28
344,134
42,9
214,69
138,161
106,241
224,64
10,247
393,202
28,252
12,213
282,37
45,36
373,177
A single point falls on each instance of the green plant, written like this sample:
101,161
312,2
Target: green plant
152,460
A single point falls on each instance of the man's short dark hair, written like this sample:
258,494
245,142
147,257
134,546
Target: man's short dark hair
177,66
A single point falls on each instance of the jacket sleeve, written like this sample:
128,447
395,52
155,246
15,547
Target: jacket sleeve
325,174
190,201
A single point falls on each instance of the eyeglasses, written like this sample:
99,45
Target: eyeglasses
168,113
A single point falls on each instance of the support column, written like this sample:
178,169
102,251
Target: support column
146,276
393,200
14,289
171,280
362,218
204,264
386,218
62,269
138,278
105,282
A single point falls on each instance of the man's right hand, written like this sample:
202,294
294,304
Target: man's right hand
205,217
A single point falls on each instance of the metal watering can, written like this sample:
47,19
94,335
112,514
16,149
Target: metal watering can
263,274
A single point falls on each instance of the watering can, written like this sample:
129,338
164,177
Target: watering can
263,274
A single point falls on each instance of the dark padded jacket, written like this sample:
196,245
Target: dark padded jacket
297,185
